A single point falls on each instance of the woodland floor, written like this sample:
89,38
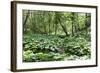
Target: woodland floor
37,48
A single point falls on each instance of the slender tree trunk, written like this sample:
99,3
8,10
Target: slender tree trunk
72,23
56,22
86,22
78,27
64,28
25,21
49,22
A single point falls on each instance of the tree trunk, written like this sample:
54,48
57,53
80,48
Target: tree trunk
25,21
49,15
72,18
64,29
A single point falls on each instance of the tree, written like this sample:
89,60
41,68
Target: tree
25,20
59,20
73,21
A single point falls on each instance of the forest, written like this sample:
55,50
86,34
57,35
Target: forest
56,35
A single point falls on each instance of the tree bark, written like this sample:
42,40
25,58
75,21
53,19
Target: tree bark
25,21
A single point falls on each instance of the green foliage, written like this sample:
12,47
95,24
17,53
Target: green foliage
56,35
42,56
28,56
77,46
54,48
